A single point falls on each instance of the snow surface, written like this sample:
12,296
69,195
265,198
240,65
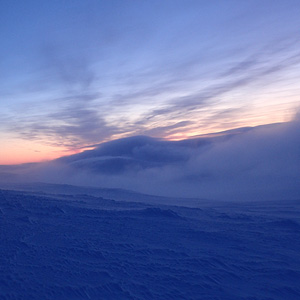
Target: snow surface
87,247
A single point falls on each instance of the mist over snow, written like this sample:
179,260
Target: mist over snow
257,163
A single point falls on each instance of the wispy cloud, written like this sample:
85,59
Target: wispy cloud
67,70
82,114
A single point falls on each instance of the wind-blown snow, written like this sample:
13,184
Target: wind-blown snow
260,163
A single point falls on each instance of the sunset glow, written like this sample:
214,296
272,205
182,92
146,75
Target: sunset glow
82,73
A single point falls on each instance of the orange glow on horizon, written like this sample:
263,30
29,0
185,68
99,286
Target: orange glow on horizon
17,151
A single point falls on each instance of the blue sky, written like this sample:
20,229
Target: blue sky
77,73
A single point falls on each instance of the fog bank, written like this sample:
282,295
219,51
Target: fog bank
260,163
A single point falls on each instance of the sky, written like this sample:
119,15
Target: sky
75,74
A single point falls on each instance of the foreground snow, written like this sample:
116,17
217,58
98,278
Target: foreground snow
84,247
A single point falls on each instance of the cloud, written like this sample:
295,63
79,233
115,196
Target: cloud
238,76
71,119
138,153
69,71
167,130
260,163
74,125
176,98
